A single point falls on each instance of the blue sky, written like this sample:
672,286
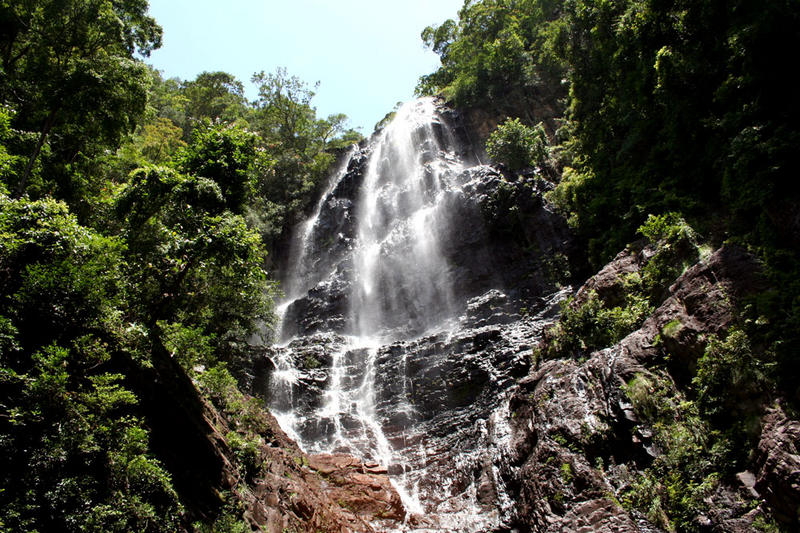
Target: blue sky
366,54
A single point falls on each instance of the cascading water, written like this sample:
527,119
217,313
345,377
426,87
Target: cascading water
395,345
401,278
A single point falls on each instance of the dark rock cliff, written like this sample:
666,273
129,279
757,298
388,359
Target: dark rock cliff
553,446
578,442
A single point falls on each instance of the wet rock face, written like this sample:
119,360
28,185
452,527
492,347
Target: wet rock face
443,429
478,260
324,308
413,323
479,251
433,395
576,441
336,493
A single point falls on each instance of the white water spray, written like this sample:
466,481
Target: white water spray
400,288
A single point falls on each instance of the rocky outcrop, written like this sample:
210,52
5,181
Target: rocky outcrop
777,465
436,398
481,255
295,491
412,368
498,233
576,437
291,491
321,493
609,282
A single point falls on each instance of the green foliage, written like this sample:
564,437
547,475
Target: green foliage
125,239
298,150
77,304
58,278
155,143
676,250
269,157
772,320
219,385
671,491
498,54
669,228
225,155
569,196
518,146
671,106
566,473
188,345
729,376
9,164
216,96
60,60
592,326
247,417
191,261
75,456
228,521
671,328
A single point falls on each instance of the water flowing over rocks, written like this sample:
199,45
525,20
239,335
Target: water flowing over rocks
412,306
332,493
416,293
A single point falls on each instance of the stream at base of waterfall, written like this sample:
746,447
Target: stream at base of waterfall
404,327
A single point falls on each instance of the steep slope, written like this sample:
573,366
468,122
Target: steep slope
415,293
592,434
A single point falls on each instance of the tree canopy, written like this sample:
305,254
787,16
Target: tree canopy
132,231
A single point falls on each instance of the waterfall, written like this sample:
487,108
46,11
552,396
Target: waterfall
401,278
396,347
301,274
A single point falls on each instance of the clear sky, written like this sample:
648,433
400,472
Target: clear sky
366,54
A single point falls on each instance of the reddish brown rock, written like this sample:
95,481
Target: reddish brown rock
353,486
296,492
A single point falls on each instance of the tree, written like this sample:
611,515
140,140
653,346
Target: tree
8,162
73,454
298,149
190,260
500,54
517,145
69,68
283,109
225,155
215,96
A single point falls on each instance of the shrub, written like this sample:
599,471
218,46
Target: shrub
518,146
188,345
671,491
676,250
593,326
729,375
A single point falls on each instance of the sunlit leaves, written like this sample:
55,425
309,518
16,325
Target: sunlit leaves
497,53
69,419
69,70
517,145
